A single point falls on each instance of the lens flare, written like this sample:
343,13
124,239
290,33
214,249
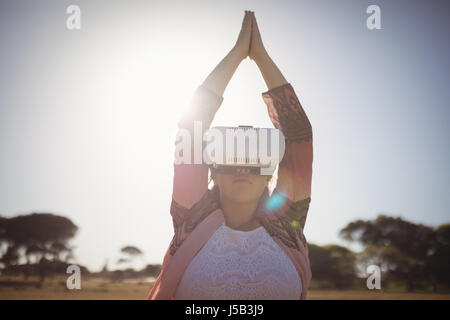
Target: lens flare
276,201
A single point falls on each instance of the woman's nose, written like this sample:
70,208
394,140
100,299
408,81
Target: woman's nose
243,170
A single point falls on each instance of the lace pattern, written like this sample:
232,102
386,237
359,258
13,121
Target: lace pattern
236,264
287,113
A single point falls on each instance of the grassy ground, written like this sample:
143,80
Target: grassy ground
102,289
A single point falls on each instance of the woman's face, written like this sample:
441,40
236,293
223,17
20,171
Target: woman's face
241,186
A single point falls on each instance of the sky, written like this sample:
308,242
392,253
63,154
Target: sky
88,117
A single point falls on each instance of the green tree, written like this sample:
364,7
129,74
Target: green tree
405,251
334,264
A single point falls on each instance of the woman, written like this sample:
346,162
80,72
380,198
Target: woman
235,241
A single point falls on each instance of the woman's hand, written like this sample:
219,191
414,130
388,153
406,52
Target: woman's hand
270,72
257,50
242,46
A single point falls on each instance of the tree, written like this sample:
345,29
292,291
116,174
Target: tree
34,237
392,262
131,252
152,270
405,251
438,264
333,264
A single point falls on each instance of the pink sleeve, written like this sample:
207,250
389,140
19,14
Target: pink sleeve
190,180
295,169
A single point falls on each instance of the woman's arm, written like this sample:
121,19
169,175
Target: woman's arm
190,196
287,114
191,180
218,79
270,72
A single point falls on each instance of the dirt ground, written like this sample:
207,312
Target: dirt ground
96,288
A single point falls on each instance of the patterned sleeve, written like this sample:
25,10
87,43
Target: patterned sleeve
287,113
292,193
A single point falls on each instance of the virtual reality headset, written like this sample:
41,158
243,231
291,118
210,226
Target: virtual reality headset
258,149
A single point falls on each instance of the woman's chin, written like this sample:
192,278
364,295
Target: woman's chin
242,194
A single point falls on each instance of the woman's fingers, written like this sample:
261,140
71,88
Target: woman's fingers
242,46
256,45
255,29
247,21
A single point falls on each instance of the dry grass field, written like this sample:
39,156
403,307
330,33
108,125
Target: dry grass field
97,288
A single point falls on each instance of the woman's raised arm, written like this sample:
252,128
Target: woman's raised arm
218,79
191,180
270,72
287,114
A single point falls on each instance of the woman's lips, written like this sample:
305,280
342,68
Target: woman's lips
241,180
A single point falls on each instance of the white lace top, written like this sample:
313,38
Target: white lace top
240,265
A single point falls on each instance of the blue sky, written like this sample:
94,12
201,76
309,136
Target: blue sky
88,117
